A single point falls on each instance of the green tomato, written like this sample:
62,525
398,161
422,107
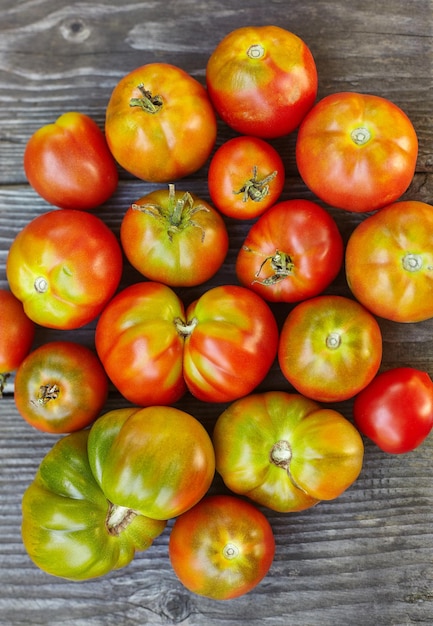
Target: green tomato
69,528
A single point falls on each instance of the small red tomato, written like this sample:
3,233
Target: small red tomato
396,409
69,163
60,387
246,176
222,547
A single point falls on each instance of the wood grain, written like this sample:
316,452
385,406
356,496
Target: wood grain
365,558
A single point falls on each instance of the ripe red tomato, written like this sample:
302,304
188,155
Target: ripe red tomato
285,451
246,176
330,348
60,387
17,332
284,259
262,80
160,124
153,350
69,163
64,266
174,237
389,261
396,409
222,547
356,151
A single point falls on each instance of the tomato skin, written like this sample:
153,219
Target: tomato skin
158,461
262,80
60,387
246,176
389,262
64,266
356,151
153,350
69,164
171,143
396,409
174,237
283,259
222,547
17,332
330,348
286,452
69,528
230,350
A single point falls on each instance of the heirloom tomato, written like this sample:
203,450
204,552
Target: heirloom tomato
64,266
356,151
69,163
60,387
396,409
262,80
174,237
222,547
292,252
153,350
69,527
17,332
330,348
157,461
286,452
160,124
246,176
389,262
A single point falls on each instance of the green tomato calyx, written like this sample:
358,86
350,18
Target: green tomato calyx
256,189
3,379
118,518
178,214
281,265
149,103
46,393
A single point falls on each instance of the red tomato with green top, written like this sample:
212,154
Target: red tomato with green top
153,349
389,262
285,451
64,266
262,80
286,259
60,387
69,163
357,151
17,332
160,124
330,348
396,409
221,548
246,176
174,237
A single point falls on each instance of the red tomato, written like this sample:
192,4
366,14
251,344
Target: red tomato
174,237
69,163
330,348
160,124
153,351
60,387
17,332
284,259
64,266
246,176
356,151
396,409
262,80
222,547
389,261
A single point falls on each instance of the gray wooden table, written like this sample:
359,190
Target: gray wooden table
363,559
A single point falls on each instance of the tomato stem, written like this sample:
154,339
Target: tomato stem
281,454
230,551
185,328
41,284
147,102
412,262
281,264
256,51
3,379
333,341
360,136
256,189
118,518
47,393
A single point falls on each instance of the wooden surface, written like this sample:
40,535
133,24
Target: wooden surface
365,559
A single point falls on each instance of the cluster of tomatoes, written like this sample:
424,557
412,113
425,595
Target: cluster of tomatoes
107,488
